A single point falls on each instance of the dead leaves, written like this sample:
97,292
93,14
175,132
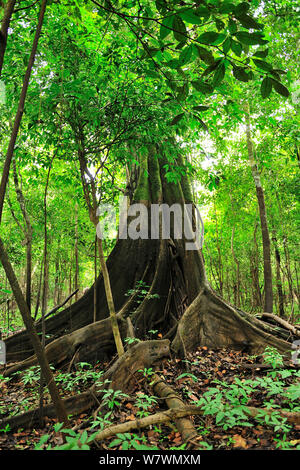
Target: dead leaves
239,442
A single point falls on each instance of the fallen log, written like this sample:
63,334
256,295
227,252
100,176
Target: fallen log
118,377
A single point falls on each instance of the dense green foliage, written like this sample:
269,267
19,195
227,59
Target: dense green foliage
111,78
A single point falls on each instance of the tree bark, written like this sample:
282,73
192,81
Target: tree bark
76,286
268,301
8,11
278,277
237,283
27,233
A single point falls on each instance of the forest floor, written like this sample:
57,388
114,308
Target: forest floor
223,380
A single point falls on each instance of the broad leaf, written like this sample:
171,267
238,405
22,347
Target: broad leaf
281,89
211,37
262,64
179,29
266,87
250,38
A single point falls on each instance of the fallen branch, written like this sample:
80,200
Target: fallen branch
282,322
158,418
174,414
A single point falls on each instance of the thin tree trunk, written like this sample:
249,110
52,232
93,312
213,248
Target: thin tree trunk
56,296
268,300
110,302
90,194
278,277
20,110
45,286
38,296
220,265
95,279
8,11
76,252
27,232
237,284
286,254
254,268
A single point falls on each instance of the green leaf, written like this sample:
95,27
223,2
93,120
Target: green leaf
242,8
263,65
232,27
219,75
226,7
166,27
266,87
203,87
115,442
219,24
205,55
250,38
226,45
190,17
249,22
201,122
203,11
183,92
211,68
241,74
236,47
262,53
176,119
211,37
200,108
185,55
281,89
179,29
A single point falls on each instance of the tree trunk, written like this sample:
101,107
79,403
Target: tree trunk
278,277
27,232
76,252
268,303
237,283
8,11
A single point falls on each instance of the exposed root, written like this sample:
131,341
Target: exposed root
210,321
118,377
88,344
184,426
